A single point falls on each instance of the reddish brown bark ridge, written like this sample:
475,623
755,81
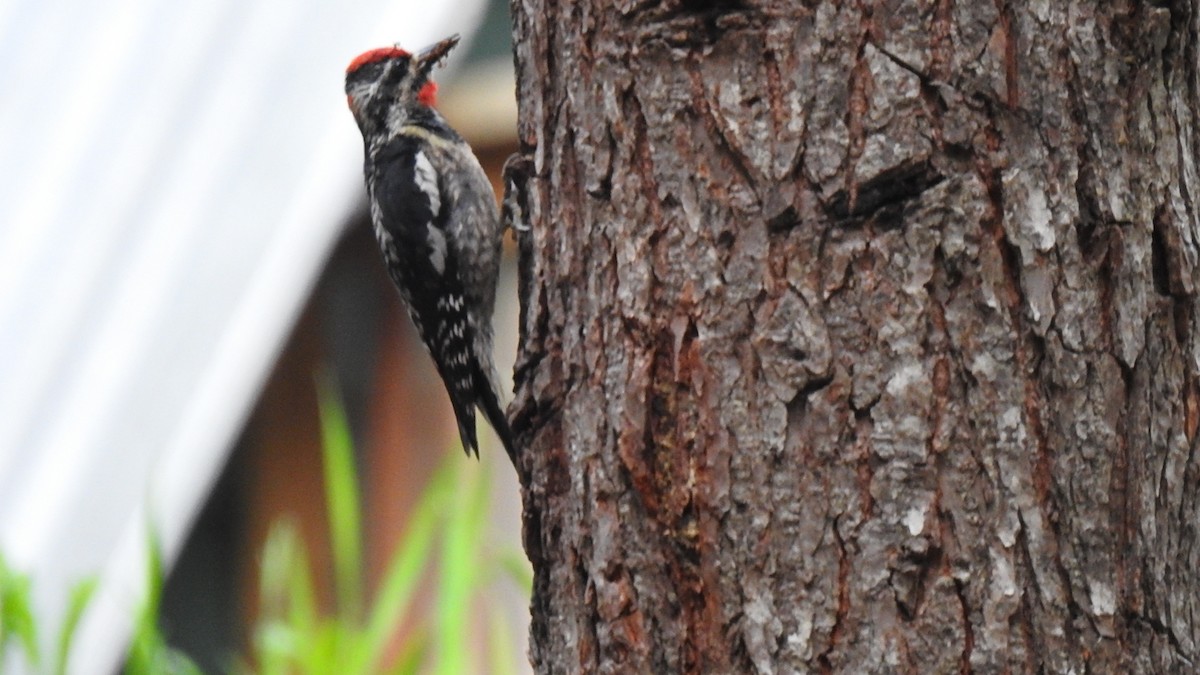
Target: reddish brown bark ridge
860,337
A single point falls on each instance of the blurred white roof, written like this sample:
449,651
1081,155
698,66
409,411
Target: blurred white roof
172,176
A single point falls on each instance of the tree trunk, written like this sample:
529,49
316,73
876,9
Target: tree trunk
860,337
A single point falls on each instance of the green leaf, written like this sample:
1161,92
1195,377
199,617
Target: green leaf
285,580
150,654
81,595
289,619
341,494
293,637
324,656
148,645
170,661
276,647
16,614
518,569
411,557
461,556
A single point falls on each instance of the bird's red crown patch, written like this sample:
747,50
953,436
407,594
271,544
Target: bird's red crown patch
374,56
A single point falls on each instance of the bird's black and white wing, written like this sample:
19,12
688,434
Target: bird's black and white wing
412,228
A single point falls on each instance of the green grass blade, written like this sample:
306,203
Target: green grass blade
341,495
302,609
81,595
288,607
174,662
275,567
276,647
5,584
285,582
461,556
148,645
517,568
448,523
324,657
150,654
411,557
16,614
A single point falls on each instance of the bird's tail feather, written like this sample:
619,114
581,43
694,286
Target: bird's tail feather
464,414
489,402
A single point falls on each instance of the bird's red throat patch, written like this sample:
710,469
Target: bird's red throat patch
428,94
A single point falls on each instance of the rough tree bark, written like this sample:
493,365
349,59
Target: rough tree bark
860,336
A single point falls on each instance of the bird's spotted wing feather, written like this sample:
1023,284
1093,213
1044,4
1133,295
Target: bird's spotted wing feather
412,228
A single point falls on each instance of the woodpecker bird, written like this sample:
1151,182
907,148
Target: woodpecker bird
435,218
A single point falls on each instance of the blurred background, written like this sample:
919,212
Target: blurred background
183,246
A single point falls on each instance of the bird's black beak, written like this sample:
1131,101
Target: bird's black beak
429,58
